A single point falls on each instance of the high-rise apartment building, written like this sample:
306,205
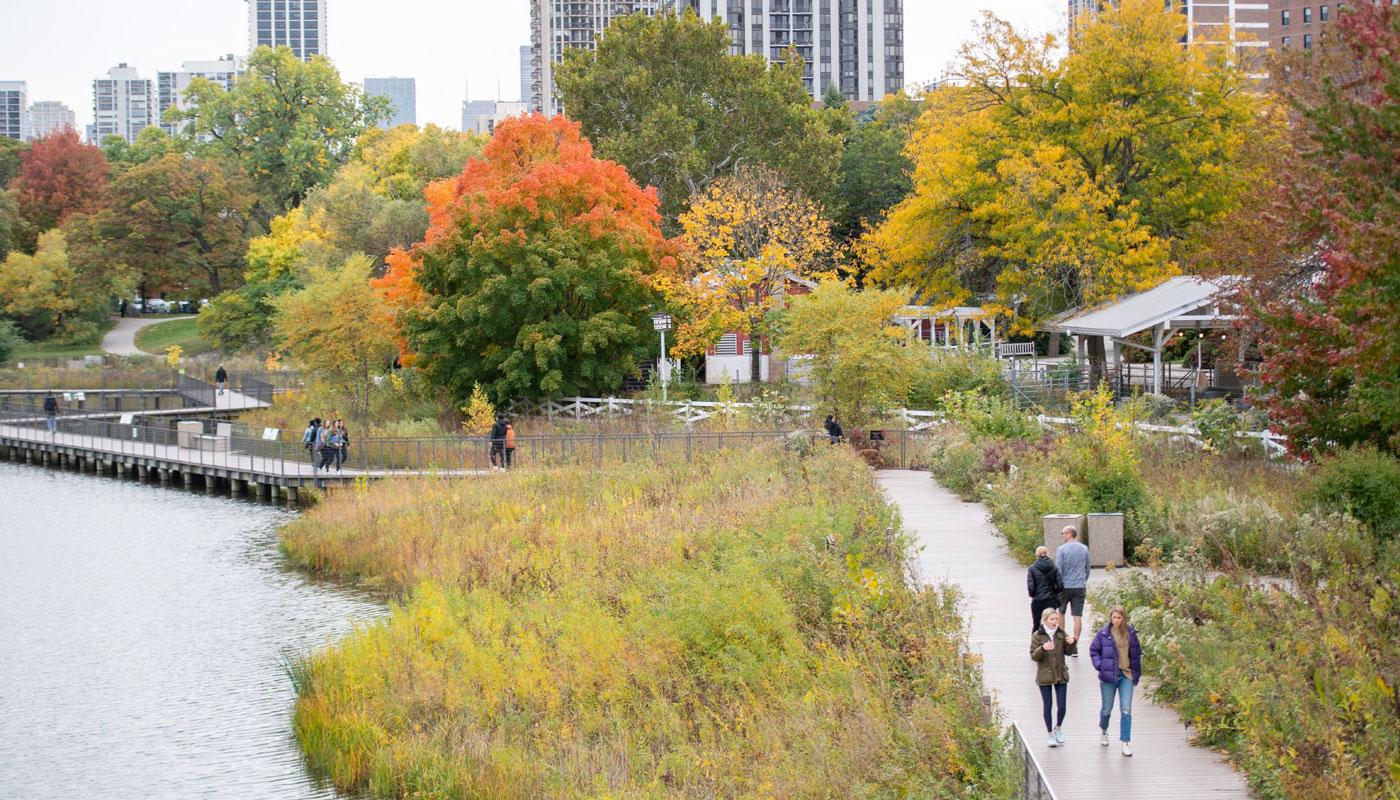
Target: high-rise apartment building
298,24
1244,24
123,104
482,116
402,93
171,86
14,110
855,45
527,69
47,117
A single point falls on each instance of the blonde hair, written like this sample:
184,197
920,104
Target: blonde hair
1118,610
1042,551
1047,612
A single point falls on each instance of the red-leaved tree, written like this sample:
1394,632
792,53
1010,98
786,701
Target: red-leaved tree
60,177
1323,309
536,277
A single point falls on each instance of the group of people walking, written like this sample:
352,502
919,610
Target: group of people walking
328,442
1057,590
502,452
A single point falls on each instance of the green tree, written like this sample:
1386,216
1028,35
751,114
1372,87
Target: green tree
287,123
876,173
536,278
340,327
662,96
1045,184
10,339
179,222
856,352
151,143
11,159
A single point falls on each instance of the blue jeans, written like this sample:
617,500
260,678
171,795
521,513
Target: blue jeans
51,423
1124,689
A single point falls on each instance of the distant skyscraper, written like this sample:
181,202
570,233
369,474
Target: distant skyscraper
403,93
171,86
14,110
298,24
527,81
473,111
47,117
123,103
856,45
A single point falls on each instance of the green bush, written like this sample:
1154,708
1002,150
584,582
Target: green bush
1218,423
954,372
10,339
984,416
1364,483
1017,503
955,463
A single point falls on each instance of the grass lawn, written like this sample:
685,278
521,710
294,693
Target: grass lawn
31,350
182,331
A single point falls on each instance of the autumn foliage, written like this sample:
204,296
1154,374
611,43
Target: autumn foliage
60,177
536,274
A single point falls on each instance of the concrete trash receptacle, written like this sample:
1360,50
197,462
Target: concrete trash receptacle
187,431
1054,523
1105,540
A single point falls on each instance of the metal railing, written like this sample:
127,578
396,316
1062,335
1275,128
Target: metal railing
1031,783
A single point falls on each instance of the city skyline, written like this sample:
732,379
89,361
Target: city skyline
476,41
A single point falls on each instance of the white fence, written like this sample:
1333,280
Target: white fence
691,411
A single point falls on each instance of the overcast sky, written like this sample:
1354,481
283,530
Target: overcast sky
59,47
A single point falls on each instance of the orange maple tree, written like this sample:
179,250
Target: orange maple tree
538,272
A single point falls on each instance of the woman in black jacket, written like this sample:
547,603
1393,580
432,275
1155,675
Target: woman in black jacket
1042,584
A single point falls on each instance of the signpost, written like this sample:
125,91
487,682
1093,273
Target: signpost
662,322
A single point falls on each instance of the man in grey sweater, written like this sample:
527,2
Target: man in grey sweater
1072,560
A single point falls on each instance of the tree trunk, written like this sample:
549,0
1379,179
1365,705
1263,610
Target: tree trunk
1098,361
755,353
1054,347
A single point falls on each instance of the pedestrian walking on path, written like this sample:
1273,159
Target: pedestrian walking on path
1049,646
497,455
1042,584
221,378
1072,560
51,412
1117,657
510,444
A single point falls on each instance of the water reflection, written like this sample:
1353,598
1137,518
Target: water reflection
142,632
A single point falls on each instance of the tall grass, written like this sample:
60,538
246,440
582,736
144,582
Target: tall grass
736,627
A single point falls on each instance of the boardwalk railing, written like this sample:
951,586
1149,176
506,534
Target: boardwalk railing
1031,783
692,411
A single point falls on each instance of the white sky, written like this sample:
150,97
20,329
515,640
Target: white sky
59,47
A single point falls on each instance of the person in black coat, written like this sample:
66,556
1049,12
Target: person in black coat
1042,584
833,428
498,443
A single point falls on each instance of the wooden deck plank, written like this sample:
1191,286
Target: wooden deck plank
959,546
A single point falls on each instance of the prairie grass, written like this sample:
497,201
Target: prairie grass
739,626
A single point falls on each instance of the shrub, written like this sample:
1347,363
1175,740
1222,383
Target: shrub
1218,423
738,626
987,417
1364,483
10,339
942,373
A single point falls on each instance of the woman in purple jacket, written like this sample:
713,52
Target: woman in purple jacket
1117,657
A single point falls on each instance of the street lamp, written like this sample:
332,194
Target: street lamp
661,323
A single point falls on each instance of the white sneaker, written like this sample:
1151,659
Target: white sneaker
1103,739
1051,741
1059,736
1127,750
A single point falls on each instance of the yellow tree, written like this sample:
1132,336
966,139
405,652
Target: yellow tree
339,326
745,236
1045,184
50,298
858,356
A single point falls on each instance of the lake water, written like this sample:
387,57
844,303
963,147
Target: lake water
143,632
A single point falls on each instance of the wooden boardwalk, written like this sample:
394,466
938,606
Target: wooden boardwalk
960,546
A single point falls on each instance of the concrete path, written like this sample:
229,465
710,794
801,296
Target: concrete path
121,339
959,545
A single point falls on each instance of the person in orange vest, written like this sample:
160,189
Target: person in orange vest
510,443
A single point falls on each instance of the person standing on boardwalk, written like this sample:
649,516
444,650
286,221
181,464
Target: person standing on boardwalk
221,378
1072,560
498,443
510,444
51,412
308,438
1042,584
344,435
1049,646
1117,657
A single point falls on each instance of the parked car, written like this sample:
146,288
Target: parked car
157,306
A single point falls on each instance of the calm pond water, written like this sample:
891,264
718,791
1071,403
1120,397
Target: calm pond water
142,639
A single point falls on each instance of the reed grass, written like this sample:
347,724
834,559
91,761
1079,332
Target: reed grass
739,626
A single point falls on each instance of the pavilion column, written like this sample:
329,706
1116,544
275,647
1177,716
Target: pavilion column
1157,359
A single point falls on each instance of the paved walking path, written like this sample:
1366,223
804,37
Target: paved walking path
121,339
960,546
